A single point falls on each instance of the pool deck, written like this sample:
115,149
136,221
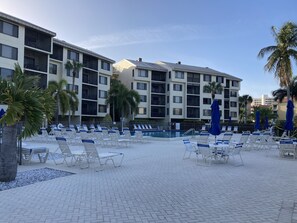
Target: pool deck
156,185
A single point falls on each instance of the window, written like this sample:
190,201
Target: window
142,111
169,74
102,94
177,111
219,101
179,74
233,114
105,65
132,86
142,73
235,84
168,87
233,104
177,99
9,29
220,79
69,73
102,108
192,77
102,80
206,78
8,52
206,101
52,68
167,99
6,73
72,55
206,112
143,98
177,87
141,86
233,93
69,88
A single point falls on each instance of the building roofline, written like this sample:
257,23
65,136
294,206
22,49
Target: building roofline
25,23
191,68
147,65
80,49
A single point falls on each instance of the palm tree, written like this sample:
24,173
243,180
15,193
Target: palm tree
124,100
281,93
75,67
27,104
213,88
65,100
244,100
279,60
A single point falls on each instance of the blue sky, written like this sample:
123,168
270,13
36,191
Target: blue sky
223,35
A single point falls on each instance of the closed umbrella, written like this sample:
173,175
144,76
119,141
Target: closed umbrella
215,128
257,122
289,125
2,112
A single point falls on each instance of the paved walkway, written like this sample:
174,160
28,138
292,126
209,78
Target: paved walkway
156,185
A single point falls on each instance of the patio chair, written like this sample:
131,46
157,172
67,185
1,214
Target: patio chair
91,154
203,137
203,128
66,153
223,128
235,129
236,151
206,152
287,148
150,127
190,148
229,129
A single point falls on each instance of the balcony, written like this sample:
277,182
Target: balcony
193,100
193,113
88,108
89,92
42,78
57,52
157,112
157,99
35,60
90,62
38,40
90,77
158,88
158,76
193,89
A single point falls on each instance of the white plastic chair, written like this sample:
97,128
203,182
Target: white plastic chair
206,152
287,148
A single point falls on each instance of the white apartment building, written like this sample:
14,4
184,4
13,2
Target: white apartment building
173,91
265,101
39,53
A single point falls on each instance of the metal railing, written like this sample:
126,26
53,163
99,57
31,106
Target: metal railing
191,130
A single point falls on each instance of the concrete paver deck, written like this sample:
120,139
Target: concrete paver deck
156,185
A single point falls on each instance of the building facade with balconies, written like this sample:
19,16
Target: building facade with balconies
40,54
174,91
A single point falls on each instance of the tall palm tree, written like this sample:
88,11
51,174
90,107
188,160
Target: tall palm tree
281,93
213,88
281,54
27,104
124,100
75,67
65,100
244,100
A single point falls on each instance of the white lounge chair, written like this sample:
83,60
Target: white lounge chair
66,152
91,154
236,151
206,152
150,127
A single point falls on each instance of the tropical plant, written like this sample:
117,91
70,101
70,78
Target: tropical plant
75,67
264,112
244,100
65,100
281,93
213,88
27,104
281,54
125,101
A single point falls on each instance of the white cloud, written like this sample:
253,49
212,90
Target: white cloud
144,35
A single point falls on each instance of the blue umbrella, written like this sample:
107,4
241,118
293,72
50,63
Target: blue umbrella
2,112
215,128
289,116
266,124
257,123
